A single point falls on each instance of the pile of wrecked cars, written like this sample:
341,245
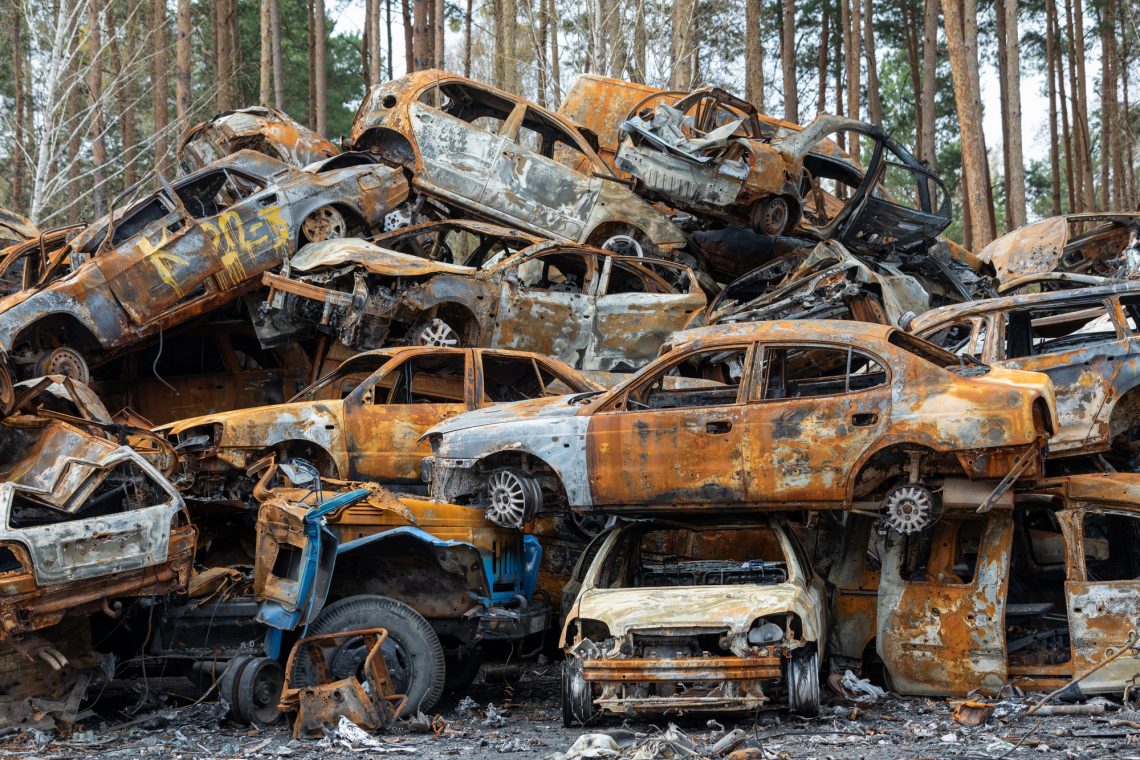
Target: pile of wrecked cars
694,399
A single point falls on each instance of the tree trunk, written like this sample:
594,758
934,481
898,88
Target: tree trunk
1003,100
311,49
1051,86
681,45
961,37
788,62
754,53
236,95
1015,180
1067,135
824,49
967,220
222,56
18,105
929,152
388,31
1082,125
429,36
555,73
854,60
182,64
910,22
1111,189
874,103
95,93
278,64
839,58
641,43
1129,140
440,23
467,37
409,37
265,81
320,48
160,88
128,89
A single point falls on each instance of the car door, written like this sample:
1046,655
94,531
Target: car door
1078,344
534,189
458,145
546,304
637,309
385,416
941,606
1102,593
158,255
663,445
810,402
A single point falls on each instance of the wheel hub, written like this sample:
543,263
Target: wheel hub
909,508
623,244
511,498
437,333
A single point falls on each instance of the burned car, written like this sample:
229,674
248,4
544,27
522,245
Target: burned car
681,616
15,228
590,308
457,241
362,421
1084,339
1039,592
265,130
185,250
499,157
1102,244
829,283
779,400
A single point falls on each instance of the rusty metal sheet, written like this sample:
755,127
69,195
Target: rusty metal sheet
259,128
1091,243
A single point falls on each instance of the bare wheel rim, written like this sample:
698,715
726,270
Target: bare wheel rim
437,333
507,498
326,223
623,244
774,215
909,508
67,362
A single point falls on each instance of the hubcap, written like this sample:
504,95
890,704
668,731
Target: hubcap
909,508
625,245
437,333
507,498
324,224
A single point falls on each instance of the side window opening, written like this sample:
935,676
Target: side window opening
1043,330
946,554
1131,306
961,339
556,272
634,278
1111,546
425,380
212,193
479,108
705,378
152,210
807,372
342,381
510,378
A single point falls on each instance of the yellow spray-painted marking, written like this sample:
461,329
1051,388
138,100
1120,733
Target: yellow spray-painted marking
164,261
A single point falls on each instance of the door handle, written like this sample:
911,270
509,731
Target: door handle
864,419
718,427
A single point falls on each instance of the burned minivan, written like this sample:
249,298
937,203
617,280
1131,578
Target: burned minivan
692,615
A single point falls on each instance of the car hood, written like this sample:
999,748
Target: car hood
733,607
547,408
298,413
1031,249
376,260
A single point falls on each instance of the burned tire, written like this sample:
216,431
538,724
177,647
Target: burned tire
63,360
577,696
801,674
257,692
412,650
513,497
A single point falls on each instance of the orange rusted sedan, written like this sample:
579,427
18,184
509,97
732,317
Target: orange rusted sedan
361,421
812,414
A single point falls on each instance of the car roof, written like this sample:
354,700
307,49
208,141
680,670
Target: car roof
987,305
847,331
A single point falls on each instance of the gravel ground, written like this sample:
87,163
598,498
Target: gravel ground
523,720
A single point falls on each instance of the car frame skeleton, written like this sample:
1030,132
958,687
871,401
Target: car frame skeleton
779,397
183,251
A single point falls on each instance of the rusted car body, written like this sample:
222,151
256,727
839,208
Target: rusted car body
1086,341
588,307
457,241
15,228
363,421
1037,593
829,283
183,251
1102,244
502,158
265,130
780,399
689,616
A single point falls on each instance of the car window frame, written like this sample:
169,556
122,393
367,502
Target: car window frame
758,391
671,359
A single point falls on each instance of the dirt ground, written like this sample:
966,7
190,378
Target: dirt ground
522,719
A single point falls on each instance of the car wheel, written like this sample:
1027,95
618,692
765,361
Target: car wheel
909,508
326,223
257,692
589,524
801,673
65,361
771,216
436,332
624,244
577,696
412,650
513,497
